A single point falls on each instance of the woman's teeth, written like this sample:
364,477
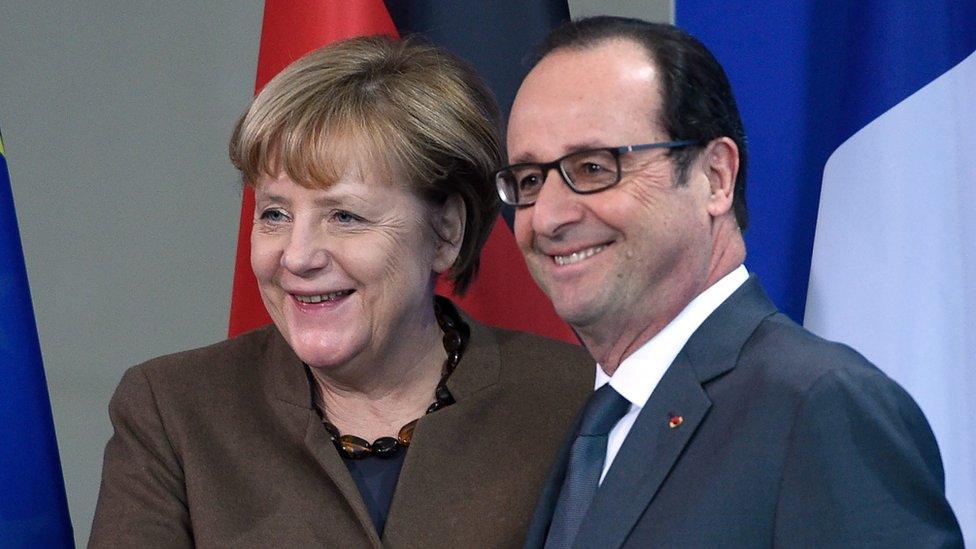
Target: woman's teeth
332,296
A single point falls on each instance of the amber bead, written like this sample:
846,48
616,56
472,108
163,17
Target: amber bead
385,447
353,446
406,433
332,430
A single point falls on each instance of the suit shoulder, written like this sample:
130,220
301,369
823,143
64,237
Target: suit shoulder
799,357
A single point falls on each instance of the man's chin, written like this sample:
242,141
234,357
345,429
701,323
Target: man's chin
578,313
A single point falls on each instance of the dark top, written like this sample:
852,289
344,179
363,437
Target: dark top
377,479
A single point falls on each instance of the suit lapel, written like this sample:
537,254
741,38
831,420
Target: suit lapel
653,446
289,383
647,455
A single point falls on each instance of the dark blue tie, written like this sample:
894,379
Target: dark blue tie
586,458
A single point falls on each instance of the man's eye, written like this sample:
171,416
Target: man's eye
592,167
529,181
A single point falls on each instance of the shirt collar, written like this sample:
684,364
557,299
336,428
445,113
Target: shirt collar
639,373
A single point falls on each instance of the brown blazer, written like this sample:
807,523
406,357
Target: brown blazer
221,447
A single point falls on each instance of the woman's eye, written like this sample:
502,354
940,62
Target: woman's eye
343,216
274,216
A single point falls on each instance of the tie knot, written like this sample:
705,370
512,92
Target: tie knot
604,408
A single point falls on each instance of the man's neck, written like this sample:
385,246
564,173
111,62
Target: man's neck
610,344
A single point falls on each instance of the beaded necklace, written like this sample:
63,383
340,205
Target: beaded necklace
455,338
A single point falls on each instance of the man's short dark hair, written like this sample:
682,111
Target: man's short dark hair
697,101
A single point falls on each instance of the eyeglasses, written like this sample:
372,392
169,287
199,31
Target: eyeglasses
584,172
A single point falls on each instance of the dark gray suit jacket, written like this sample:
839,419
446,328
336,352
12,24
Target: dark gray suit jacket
787,441
221,447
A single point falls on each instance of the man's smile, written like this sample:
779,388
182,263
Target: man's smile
579,255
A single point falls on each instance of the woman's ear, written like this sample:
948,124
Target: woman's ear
448,224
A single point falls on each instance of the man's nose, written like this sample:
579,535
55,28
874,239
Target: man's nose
556,206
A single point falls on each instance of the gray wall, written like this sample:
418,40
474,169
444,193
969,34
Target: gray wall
115,116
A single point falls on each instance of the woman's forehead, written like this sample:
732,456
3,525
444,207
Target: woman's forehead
333,157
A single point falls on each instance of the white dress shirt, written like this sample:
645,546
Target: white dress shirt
639,373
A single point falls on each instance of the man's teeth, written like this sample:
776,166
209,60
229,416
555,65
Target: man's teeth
576,257
323,297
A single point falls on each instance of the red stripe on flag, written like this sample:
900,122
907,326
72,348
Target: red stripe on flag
504,293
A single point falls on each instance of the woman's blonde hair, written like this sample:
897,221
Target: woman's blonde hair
405,107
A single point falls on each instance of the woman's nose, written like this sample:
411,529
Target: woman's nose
306,251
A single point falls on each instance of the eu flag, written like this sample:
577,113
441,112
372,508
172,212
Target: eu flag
33,507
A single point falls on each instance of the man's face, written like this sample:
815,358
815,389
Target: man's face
630,256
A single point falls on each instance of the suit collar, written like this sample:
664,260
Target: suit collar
714,347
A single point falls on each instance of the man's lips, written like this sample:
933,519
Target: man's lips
569,258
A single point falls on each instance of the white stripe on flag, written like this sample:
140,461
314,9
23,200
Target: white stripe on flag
894,261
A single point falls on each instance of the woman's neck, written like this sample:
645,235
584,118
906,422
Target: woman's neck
387,393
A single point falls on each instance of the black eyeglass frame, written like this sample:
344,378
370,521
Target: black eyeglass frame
557,165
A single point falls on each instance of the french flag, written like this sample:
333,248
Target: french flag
861,119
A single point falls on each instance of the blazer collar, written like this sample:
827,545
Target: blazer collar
291,384
479,368
480,365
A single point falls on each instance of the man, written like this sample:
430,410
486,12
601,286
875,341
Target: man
717,421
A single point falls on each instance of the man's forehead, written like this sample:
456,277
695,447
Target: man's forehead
598,96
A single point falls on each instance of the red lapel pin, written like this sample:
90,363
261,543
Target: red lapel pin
675,421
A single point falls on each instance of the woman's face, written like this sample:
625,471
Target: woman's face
347,272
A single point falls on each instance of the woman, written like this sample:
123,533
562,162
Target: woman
370,160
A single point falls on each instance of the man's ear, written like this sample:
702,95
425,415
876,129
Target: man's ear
448,223
721,163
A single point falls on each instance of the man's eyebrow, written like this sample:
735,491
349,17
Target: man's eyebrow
529,157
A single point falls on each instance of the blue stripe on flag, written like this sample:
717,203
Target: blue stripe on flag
804,76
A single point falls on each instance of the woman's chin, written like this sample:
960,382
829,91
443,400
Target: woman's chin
325,349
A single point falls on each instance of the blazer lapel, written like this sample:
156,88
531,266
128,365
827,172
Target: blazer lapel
478,371
291,387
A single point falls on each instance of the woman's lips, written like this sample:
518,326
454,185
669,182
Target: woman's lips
319,298
310,303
